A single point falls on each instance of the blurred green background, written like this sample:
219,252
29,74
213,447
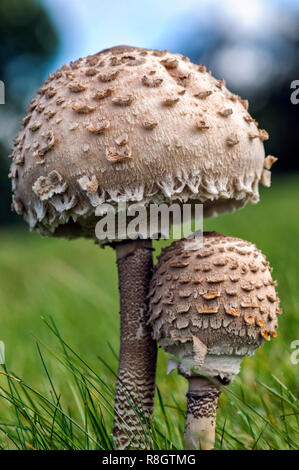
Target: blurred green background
256,49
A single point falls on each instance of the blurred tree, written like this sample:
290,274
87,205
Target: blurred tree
27,42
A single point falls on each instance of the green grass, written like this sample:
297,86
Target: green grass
65,402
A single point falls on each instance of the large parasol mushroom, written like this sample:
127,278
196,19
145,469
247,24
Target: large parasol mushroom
139,126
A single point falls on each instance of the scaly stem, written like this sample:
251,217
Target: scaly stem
138,351
202,402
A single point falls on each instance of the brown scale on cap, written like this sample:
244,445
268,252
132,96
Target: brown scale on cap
50,92
232,140
178,117
122,140
91,72
151,82
77,87
225,112
50,113
170,100
202,68
148,124
125,100
203,94
170,63
83,108
108,76
269,162
115,155
60,101
100,127
47,187
227,295
101,94
202,125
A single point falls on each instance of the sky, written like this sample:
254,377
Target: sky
87,26
247,60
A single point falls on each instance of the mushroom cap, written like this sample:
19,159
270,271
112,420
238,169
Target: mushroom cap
134,125
214,292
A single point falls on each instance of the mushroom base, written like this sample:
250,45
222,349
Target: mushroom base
202,402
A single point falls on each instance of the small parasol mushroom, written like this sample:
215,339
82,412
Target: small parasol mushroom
211,303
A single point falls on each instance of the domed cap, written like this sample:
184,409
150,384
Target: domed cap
135,125
218,295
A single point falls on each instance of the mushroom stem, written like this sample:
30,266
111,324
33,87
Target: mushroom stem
202,402
138,351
